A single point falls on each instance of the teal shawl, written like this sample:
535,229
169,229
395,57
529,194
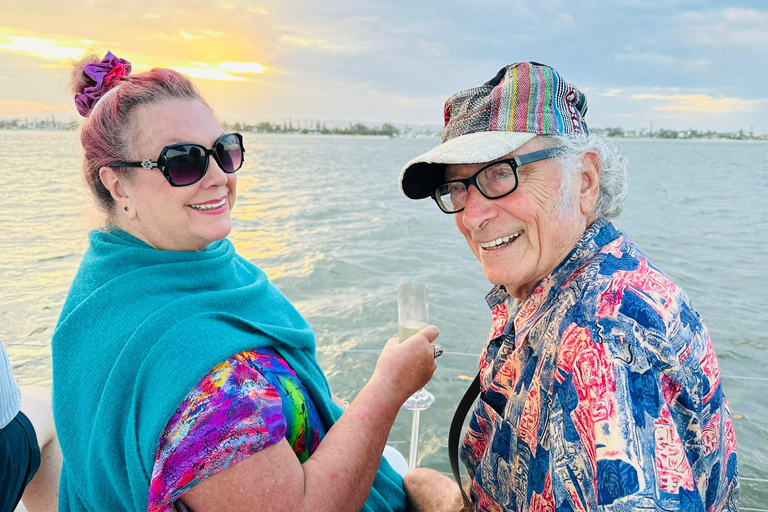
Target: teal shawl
139,329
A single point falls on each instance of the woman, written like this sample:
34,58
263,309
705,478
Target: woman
182,378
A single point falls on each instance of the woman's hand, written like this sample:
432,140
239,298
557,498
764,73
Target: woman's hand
407,366
339,474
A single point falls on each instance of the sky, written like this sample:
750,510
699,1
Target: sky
677,64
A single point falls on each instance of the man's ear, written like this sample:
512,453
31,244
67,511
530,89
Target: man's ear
590,182
115,183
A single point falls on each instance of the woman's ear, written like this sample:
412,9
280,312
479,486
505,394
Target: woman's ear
590,182
115,183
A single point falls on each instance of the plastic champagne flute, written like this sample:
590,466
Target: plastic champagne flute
413,316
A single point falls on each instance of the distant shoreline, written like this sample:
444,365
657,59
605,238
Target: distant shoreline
291,134
421,135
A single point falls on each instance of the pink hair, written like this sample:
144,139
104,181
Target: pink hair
108,132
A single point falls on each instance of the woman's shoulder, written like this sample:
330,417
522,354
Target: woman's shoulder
240,383
265,360
233,412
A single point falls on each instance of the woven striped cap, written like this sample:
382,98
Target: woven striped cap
482,124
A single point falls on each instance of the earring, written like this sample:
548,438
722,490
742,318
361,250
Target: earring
125,208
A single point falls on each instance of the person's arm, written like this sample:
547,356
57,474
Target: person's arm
339,474
42,492
428,490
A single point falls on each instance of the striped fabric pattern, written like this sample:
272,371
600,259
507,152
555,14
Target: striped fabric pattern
10,394
522,97
484,123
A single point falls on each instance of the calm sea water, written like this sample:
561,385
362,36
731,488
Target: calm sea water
324,217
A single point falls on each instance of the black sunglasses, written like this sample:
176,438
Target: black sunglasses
186,163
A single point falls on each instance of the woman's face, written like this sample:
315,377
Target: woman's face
177,218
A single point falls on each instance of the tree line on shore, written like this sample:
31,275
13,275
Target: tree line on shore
664,133
386,129
320,127
389,130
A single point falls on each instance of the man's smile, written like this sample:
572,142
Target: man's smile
500,242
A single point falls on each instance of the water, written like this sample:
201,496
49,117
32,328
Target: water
325,219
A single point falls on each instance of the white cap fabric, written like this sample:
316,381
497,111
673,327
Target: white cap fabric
473,148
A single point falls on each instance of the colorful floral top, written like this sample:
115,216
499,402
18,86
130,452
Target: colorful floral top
600,391
246,403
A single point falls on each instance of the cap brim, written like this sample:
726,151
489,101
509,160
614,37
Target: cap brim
422,175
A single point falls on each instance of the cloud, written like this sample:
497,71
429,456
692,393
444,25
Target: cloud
680,61
224,71
727,27
243,67
647,57
24,43
702,103
318,44
60,52
201,34
300,41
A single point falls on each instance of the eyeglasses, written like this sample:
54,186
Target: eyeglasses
186,163
494,181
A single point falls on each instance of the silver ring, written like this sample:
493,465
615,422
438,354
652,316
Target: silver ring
438,350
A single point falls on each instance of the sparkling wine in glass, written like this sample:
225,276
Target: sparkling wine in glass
413,316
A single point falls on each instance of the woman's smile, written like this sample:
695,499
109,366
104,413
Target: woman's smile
212,207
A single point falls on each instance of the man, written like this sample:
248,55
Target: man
30,457
599,387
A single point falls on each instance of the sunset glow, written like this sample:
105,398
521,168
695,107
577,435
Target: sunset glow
64,51
700,103
225,71
41,48
679,66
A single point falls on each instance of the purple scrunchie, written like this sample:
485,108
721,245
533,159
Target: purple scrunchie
106,74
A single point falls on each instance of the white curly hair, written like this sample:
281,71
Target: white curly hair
614,179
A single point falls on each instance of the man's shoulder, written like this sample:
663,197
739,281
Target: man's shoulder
626,300
640,314
621,283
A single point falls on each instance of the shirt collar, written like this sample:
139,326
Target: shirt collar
594,238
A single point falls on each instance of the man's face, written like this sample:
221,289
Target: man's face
534,235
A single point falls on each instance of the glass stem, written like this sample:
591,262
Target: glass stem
414,440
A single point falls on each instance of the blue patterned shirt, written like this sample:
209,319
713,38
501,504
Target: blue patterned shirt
600,391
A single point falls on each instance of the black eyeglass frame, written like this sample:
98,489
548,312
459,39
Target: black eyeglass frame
514,163
162,164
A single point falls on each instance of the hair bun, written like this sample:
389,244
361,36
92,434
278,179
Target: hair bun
95,78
